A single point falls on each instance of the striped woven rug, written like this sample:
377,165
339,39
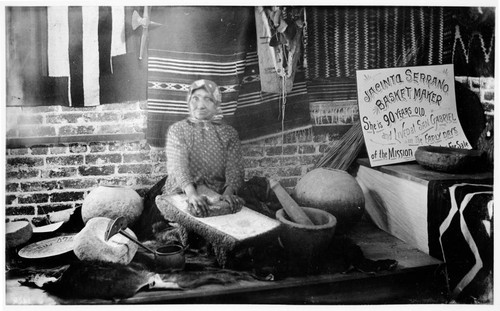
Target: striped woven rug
341,40
216,43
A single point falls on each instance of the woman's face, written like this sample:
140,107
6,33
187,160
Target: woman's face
201,105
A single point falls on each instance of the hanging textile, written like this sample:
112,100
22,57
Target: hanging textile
82,42
261,113
193,43
216,43
26,61
474,41
60,55
341,40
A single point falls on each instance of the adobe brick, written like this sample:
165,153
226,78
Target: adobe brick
12,187
101,117
96,170
18,151
22,173
135,169
78,183
303,149
65,160
136,157
122,181
58,149
289,171
275,150
24,161
270,162
252,151
66,196
39,150
78,148
20,210
100,159
97,147
33,198
286,161
39,186
76,130
289,149
64,118
59,172
127,146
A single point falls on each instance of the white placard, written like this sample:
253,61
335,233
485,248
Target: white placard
406,107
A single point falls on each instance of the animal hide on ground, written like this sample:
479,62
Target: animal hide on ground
112,281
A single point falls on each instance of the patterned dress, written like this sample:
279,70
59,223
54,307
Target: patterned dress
203,152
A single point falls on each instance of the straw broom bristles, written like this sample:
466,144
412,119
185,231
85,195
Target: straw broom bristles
344,151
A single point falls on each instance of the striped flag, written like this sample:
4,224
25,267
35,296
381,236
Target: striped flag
81,44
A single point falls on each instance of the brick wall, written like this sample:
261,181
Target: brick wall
56,155
51,177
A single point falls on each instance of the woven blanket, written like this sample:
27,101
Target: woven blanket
460,232
345,39
216,43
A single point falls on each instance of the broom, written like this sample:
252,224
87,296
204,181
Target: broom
344,151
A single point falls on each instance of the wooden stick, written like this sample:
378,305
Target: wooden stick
292,209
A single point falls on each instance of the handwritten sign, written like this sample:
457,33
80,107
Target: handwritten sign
406,107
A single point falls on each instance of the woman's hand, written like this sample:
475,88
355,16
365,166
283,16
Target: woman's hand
235,202
199,203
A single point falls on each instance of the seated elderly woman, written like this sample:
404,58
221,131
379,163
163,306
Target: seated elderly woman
201,150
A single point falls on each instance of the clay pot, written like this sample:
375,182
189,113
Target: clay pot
334,191
306,241
17,233
170,258
112,202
